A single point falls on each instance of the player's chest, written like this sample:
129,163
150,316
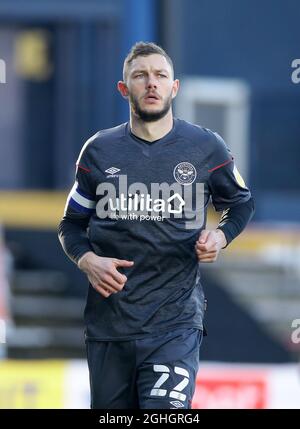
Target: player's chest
151,165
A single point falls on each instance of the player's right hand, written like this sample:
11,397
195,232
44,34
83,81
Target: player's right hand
103,274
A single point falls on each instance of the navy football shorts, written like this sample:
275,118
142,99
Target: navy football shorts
154,372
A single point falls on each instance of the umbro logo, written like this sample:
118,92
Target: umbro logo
112,171
177,404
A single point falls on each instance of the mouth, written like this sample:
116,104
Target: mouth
151,97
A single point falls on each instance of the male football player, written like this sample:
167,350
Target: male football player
135,224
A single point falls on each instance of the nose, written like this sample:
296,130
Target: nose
151,82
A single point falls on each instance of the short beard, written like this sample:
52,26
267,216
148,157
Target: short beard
149,116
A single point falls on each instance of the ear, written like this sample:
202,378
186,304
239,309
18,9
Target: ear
122,88
176,85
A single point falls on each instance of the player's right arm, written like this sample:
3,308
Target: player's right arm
72,231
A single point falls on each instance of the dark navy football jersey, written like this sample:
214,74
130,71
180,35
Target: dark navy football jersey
146,202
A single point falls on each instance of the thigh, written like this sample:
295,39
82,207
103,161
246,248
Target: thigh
167,376
112,374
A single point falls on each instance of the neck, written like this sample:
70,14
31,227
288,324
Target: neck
151,131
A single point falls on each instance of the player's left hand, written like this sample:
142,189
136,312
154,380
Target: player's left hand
209,245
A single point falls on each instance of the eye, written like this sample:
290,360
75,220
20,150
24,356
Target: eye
139,75
161,75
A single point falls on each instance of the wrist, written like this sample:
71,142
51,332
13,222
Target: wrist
222,238
82,260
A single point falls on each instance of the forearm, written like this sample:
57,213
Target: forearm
73,238
235,219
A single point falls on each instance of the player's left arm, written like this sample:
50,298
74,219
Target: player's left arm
230,196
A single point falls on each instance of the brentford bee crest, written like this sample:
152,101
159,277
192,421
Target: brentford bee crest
185,173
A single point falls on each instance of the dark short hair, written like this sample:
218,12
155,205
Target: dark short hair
144,49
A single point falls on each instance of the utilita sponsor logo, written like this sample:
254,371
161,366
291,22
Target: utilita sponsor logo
2,71
161,201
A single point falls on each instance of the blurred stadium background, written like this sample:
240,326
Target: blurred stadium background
60,61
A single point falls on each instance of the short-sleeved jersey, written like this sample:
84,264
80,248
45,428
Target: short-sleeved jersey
147,202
